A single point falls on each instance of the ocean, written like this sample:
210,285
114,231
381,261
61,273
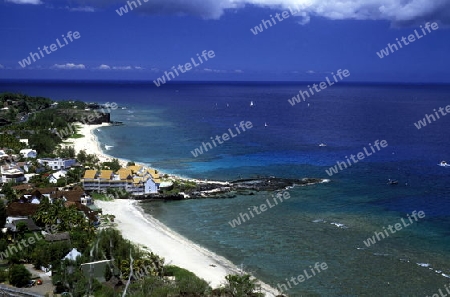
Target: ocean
325,223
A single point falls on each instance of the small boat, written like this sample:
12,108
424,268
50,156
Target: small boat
265,125
251,103
322,144
444,164
124,108
108,147
392,182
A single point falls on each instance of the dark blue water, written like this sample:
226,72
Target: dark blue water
163,125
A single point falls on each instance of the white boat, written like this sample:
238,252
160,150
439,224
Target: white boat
251,103
322,144
108,147
444,164
265,125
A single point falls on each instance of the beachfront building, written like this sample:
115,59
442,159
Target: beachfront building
57,163
137,180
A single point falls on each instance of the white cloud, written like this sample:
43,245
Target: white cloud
310,71
214,70
103,67
238,71
139,68
35,2
68,66
122,68
82,9
396,11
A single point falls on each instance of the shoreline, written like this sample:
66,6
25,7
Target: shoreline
173,247
160,239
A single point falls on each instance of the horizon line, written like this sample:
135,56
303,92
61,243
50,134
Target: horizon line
218,81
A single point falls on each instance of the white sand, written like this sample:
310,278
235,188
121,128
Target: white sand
90,144
146,231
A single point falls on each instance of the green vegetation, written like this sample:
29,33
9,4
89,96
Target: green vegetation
9,192
114,165
101,197
181,186
47,126
36,119
19,276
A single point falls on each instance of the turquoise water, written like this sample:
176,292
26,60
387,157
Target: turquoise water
163,125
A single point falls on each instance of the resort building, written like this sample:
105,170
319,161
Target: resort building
57,163
137,180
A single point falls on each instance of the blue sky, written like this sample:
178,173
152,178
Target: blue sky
322,37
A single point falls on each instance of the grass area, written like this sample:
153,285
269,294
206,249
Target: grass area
101,197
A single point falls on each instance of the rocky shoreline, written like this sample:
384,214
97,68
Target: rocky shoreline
222,190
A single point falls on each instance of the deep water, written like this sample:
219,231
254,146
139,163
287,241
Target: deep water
163,125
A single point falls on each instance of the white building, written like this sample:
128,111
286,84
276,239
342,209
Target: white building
58,163
3,154
28,153
53,178
12,173
24,140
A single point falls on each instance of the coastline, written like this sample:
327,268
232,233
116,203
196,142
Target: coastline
90,143
159,238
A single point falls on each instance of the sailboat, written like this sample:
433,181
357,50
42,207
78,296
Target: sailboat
265,125
251,104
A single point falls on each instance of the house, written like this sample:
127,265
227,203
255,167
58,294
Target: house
23,140
78,196
53,178
24,165
72,255
3,155
28,177
28,153
13,222
137,180
21,210
11,173
57,163
28,204
23,188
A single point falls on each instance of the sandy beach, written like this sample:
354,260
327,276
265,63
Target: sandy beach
149,233
89,142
